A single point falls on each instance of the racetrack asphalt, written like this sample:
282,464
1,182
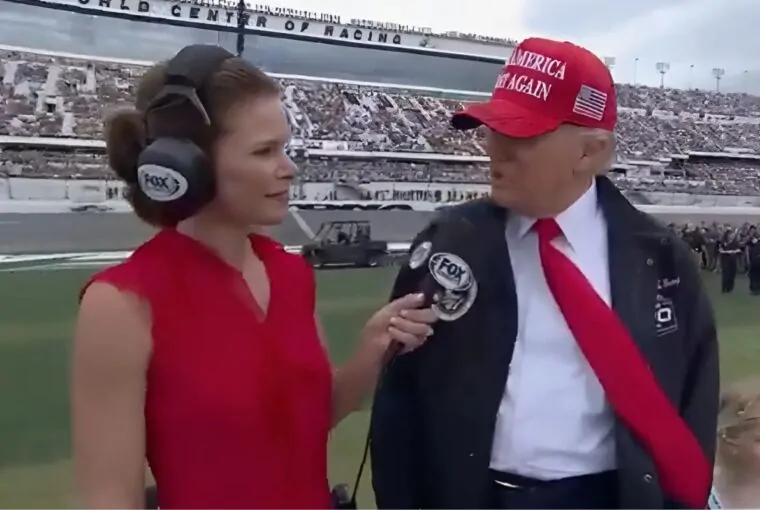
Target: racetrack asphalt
79,232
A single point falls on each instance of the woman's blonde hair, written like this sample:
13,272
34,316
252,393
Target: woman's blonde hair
738,426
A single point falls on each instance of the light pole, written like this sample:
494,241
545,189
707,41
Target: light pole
691,76
662,68
635,68
718,73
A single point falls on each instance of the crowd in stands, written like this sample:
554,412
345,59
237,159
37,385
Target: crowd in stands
53,164
49,96
693,179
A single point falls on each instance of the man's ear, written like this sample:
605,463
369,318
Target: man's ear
597,148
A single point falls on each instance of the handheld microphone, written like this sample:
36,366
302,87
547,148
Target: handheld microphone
449,285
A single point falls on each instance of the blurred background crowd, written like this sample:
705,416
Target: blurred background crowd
47,96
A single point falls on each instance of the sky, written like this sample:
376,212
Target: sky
692,36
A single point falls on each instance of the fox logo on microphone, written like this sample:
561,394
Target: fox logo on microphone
160,183
450,271
458,286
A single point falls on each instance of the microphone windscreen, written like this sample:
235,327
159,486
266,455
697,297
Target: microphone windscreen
446,256
448,284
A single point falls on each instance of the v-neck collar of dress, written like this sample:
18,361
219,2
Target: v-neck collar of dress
263,246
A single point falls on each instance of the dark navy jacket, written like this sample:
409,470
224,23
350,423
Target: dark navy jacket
435,410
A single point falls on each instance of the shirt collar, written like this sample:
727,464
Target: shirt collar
572,220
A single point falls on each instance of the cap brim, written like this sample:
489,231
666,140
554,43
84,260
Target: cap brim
506,118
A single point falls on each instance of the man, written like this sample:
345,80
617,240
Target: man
578,368
730,251
694,238
753,261
711,247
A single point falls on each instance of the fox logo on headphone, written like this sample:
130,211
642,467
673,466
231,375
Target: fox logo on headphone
160,183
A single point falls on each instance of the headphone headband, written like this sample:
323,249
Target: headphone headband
173,171
186,75
195,64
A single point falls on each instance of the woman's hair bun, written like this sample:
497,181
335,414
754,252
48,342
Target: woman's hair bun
126,137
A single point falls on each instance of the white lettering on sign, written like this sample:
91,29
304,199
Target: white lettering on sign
280,20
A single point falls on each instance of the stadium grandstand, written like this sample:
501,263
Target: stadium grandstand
368,101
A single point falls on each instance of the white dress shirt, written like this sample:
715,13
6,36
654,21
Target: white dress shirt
554,420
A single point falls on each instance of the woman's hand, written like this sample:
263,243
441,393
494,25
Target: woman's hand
401,321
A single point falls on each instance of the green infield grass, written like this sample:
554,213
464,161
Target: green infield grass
37,309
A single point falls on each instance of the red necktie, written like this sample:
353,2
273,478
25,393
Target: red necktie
628,382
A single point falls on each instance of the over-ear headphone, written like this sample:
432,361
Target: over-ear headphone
173,171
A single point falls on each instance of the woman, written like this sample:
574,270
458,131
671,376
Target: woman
737,477
201,352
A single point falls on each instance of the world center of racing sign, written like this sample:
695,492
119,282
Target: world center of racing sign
218,15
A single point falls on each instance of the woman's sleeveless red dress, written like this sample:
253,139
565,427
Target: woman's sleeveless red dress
238,406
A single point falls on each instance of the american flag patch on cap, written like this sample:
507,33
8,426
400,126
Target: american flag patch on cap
590,103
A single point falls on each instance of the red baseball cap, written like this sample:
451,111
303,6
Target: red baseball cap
545,84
